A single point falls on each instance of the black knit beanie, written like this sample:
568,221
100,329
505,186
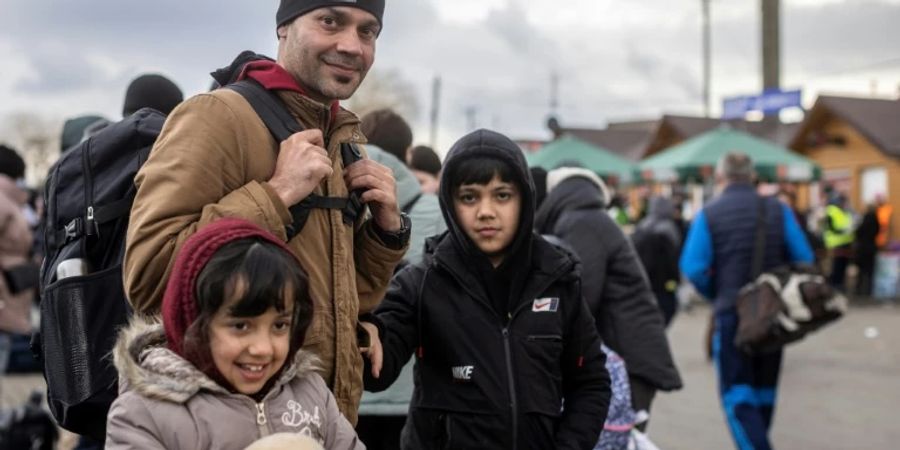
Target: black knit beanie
154,91
291,9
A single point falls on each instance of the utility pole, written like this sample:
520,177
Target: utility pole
554,93
771,48
707,74
435,109
471,116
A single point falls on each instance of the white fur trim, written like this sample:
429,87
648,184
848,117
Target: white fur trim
557,176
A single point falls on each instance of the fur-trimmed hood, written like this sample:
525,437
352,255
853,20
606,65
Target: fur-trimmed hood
556,176
151,369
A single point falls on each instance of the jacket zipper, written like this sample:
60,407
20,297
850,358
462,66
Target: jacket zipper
509,369
513,404
89,228
261,419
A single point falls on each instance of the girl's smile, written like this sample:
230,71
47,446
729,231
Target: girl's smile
248,351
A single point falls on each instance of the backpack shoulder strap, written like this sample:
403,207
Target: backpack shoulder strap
759,241
282,124
269,107
411,203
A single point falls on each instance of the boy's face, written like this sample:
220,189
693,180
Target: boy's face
489,215
248,351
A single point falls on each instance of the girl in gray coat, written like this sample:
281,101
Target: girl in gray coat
225,367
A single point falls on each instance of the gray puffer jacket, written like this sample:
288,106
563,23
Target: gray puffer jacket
167,403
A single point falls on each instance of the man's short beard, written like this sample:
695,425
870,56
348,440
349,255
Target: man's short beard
337,92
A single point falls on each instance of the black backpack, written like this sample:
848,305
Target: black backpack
88,196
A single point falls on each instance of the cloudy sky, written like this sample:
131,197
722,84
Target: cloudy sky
615,59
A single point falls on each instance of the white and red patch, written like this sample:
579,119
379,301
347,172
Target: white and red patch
546,304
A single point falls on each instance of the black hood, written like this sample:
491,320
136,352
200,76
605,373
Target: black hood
485,143
571,194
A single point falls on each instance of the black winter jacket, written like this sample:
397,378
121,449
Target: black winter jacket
483,379
615,286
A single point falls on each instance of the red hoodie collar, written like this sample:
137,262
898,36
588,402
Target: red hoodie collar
273,77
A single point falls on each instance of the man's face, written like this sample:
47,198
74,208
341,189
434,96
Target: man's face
489,215
329,50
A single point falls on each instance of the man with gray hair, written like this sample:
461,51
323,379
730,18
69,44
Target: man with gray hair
717,259
735,167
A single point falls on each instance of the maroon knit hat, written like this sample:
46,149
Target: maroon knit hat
179,307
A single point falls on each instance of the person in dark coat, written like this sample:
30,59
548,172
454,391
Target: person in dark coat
614,284
866,249
507,354
657,240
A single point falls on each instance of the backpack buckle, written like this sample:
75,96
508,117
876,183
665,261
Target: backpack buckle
74,229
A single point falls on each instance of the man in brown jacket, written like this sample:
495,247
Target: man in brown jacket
216,158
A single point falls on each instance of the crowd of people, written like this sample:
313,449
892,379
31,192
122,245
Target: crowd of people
480,303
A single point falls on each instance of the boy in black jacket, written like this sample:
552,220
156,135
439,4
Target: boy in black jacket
507,354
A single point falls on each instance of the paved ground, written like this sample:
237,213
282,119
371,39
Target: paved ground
840,388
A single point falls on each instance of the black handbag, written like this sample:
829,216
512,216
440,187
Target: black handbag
782,305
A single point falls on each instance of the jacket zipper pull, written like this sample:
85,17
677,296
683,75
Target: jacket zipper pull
91,229
260,414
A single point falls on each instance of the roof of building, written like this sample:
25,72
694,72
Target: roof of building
876,119
629,144
632,140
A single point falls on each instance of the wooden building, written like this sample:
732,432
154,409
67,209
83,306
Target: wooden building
639,140
856,141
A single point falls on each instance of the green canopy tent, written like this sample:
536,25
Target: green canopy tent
696,158
569,151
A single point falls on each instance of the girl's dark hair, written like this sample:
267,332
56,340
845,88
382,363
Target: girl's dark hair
266,271
481,170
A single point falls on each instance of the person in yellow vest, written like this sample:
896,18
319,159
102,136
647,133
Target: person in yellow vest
884,210
838,238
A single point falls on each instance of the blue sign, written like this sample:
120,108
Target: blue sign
769,102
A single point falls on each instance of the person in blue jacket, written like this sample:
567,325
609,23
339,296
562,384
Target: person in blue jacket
716,258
